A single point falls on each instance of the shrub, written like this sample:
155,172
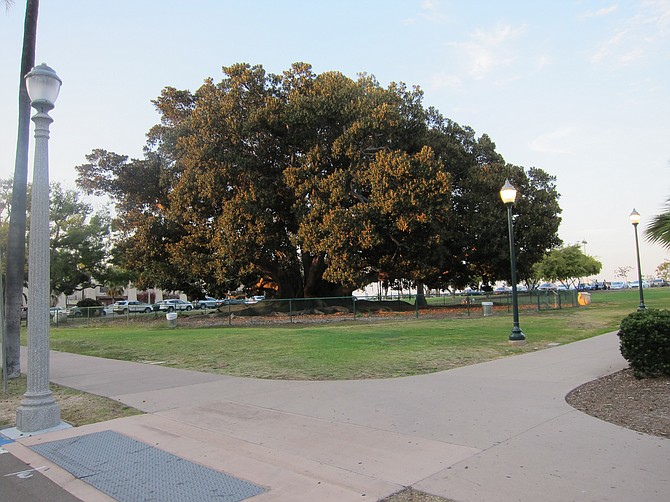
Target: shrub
645,342
88,307
89,302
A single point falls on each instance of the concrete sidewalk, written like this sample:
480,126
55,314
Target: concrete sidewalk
498,431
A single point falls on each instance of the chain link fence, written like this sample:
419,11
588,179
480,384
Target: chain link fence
330,309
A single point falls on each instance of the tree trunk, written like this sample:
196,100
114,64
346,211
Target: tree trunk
16,246
313,268
420,296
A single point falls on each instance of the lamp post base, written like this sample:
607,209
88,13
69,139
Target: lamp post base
517,337
37,413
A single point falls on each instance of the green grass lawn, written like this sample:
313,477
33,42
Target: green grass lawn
349,349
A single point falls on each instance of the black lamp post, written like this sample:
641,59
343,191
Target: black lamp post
508,196
635,220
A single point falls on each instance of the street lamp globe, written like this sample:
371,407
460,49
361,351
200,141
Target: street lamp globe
43,86
508,193
634,217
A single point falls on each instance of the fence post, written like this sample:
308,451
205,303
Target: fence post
290,309
353,301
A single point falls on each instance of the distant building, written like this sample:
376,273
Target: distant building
101,293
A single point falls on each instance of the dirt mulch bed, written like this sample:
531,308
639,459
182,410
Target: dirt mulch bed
642,405
411,495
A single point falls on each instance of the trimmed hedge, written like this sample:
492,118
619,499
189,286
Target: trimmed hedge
88,302
645,342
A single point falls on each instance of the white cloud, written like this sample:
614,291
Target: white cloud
554,141
487,50
543,61
632,56
600,12
609,46
444,81
636,36
660,11
431,11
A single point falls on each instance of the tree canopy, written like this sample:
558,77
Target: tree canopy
316,184
663,270
567,264
79,242
79,239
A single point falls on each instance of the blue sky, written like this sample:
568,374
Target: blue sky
578,88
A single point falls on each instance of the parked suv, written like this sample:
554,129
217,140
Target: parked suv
126,306
172,305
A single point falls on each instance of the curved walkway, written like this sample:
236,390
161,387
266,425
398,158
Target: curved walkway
497,431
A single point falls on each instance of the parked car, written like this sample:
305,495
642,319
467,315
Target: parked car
109,309
502,290
547,286
174,304
254,299
636,284
658,283
208,303
127,306
56,310
232,301
472,292
76,312
618,285
583,287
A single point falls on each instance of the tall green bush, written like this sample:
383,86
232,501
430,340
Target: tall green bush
88,302
645,342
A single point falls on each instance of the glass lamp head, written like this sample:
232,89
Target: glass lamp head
508,193
634,217
43,86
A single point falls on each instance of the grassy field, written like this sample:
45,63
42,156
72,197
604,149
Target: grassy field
351,349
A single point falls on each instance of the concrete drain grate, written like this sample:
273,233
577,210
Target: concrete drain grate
130,471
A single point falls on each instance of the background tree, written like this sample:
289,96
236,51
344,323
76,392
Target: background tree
5,210
316,183
663,270
16,248
567,265
79,242
622,272
116,280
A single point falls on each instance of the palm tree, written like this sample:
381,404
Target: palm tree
658,229
16,242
